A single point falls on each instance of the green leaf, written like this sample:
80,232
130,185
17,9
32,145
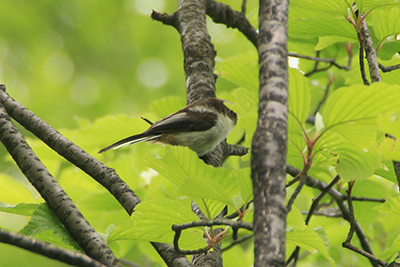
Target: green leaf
351,126
355,163
306,23
295,219
391,206
44,219
390,253
387,171
300,97
365,5
309,240
203,187
13,191
388,50
242,176
166,106
21,209
180,163
319,122
386,22
153,219
357,109
390,123
241,70
339,7
107,130
325,41
299,108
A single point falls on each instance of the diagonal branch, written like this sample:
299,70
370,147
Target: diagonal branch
51,251
338,197
222,13
388,69
59,202
102,174
71,152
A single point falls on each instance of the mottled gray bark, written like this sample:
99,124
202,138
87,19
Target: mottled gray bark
268,159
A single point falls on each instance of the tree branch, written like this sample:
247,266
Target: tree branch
107,177
370,51
236,225
314,205
317,59
102,174
59,202
51,251
269,144
338,197
388,69
222,13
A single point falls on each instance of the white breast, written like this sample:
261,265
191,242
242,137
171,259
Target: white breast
205,141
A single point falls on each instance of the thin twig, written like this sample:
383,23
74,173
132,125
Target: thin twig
338,197
295,255
179,227
370,199
244,7
239,241
293,181
326,93
296,192
332,62
323,213
362,65
364,253
351,215
316,201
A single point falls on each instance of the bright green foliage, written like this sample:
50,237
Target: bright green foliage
97,61
152,221
43,219
311,241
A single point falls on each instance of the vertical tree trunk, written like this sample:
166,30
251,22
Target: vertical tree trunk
270,139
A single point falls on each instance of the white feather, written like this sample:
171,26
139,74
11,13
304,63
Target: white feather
147,138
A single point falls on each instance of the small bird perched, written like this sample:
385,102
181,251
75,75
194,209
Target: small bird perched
201,126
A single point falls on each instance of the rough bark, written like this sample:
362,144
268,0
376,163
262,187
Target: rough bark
268,159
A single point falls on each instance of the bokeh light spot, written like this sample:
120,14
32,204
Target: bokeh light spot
152,73
85,91
58,69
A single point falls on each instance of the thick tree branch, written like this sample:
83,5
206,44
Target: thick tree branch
71,152
59,202
370,51
269,144
51,251
222,13
104,175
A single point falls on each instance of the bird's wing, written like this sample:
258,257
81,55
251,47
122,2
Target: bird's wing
184,121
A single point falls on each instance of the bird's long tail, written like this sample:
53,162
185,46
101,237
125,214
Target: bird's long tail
129,140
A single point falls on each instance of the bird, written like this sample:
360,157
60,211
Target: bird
201,126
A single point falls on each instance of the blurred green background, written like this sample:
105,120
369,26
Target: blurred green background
77,61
